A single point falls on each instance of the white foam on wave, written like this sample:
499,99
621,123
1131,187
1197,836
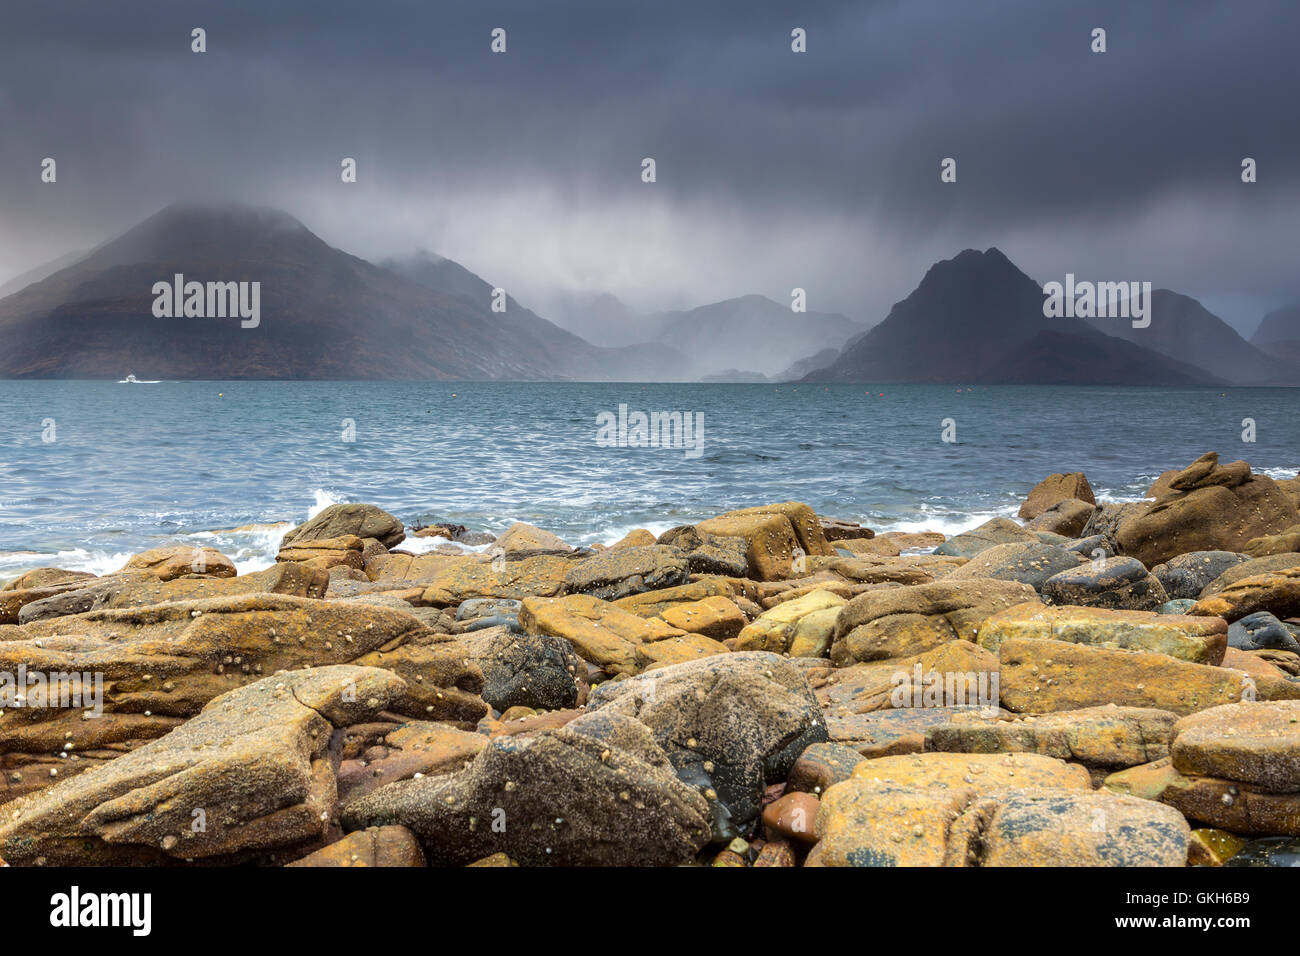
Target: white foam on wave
948,523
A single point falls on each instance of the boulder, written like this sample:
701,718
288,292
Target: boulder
459,579
1287,542
1226,804
1218,511
1271,682
1067,518
364,521
178,561
1277,592
809,619
614,574
1200,640
953,674
1252,742
1187,575
138,589
600,632
596,792
1031,563
160,665
730,725
1105,522
1103,739
637,538
1040,826
1119,583
898,730
992,532
716,617
974,772
1038,676
525,540
1071,486
866,823
770,542
45,577
709,553
1249,569
251,774
376,846
345,551
1262,631
901,622
822,766
537,671
658,603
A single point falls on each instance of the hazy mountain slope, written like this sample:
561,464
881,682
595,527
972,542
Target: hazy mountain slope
969,319
324,314
751,332
1183,329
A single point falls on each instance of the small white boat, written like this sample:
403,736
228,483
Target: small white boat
132,380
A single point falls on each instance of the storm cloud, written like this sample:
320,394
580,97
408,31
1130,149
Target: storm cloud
775,169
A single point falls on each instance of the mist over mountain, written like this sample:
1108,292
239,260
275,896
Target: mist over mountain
1183,329
977,318
325,314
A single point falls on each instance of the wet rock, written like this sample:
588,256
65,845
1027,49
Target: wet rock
1031,563
993,532
522,539
1187,575
178,561
1260,631
537,671
611,575
364,521
1180,606
729,724
1287,542
1201,640
1250,569
1041,676
1253,742
1277,592
345,551
1220,510
906,621
1052,827
1271,851
1210,847
1224,804
897,730
1118,583
560,797
380,846
250,774
1101,738
1067,518
791,817
808,621
1071,486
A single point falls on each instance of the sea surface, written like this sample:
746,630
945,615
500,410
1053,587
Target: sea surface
92,472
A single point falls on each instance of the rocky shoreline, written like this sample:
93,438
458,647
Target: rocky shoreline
1112,684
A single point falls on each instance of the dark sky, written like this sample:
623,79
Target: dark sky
775,169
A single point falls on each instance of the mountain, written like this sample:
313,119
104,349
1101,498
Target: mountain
40,272
647,362
1183,329
599,317
973,317
1279,334
325,314
810,364
751,332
